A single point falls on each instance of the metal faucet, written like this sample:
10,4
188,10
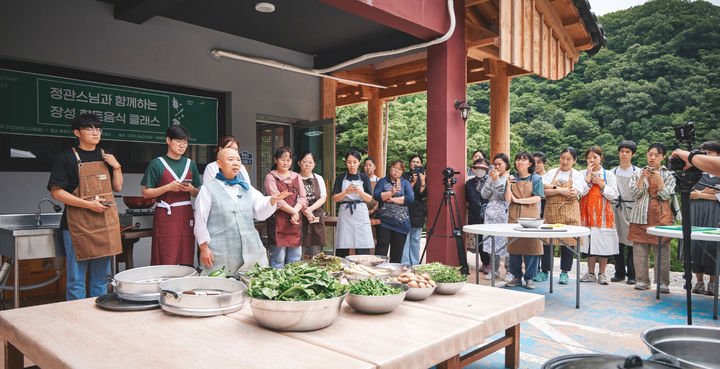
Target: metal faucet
56,208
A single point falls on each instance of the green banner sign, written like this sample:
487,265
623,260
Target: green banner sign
36,104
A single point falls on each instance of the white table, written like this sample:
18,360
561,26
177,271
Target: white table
697,236
508,230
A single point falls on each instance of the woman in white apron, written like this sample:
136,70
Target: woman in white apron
596,212
351,191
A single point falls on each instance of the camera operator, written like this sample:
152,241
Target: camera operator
418,211
706,163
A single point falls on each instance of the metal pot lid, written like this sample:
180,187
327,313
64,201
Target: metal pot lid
601,361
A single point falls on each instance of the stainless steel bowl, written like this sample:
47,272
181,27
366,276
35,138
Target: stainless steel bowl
296,316
357,277
449,288
531,222
395,269
378,304
143,284
201,295
693,346
418,293
368,260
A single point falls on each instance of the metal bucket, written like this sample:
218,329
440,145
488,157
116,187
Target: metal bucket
693,346
194,295
143,284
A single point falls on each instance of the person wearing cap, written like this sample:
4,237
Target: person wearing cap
224,212
477,203
172,179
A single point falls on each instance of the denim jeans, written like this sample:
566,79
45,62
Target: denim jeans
411,250
531,265
75,273
280,255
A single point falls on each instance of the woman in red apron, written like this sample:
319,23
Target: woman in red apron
313,222
284,227
172,179
653,189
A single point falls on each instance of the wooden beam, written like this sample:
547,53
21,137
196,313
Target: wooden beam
517,32
327,110
362,74
398,70
477,32
506,30
404,79
375,131
554,21
482,53
499,108
469,3
527,34
367,92
404,90
490,41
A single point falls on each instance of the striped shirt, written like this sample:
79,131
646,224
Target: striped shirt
642,196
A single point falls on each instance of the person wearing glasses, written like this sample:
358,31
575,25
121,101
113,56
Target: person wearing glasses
172,179
90,226
394,194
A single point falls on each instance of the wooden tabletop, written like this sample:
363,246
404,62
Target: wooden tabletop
78,334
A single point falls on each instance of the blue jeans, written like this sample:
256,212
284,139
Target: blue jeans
411,250
531,265
280,255
75,271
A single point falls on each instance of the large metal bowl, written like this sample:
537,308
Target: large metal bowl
368,260
138,202
531,222
143,284
418,293
449,288
202,296
296,316
378,304
693,346
357,277
395,269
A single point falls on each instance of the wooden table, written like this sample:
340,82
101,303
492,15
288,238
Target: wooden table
77,334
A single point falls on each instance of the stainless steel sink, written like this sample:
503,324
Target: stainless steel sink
22,238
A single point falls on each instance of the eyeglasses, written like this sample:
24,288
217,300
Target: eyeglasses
92,129
180,142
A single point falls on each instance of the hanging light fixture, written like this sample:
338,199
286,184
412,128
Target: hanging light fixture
464,108
265,7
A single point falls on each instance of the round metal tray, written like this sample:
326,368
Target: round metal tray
112,302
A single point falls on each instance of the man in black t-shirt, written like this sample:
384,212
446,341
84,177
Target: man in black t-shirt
63,185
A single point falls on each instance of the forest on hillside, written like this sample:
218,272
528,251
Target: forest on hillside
660,69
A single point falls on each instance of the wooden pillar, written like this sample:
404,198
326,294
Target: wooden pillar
375,132
446,138
327,111
499,107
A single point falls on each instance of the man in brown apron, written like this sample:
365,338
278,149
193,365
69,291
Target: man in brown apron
172,179
84,178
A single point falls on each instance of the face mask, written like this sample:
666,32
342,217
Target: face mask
480,172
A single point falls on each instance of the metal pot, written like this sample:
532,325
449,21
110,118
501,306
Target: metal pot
143,284
601,361
202,296
693,346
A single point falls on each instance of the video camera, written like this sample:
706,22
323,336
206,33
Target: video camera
449,177
684,134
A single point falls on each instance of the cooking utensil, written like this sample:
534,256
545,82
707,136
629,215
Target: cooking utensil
296,316
449,288
531,222
395,269
138,202
202,296
418,293
693,346
602,361
111,301
142,284
378,304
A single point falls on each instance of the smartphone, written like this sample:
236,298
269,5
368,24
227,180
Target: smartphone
187,180
107,203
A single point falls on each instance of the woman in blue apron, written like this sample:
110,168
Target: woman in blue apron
351,190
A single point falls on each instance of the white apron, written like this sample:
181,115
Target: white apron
622,209
353,229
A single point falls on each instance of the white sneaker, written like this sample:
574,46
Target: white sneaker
508,277
489,276
588,277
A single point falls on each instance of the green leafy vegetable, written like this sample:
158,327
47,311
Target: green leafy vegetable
328,262
221,273
295,282
372,287
441,273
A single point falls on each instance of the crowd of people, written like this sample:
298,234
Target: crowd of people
385,214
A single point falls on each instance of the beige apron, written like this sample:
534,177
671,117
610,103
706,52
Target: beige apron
659,213
93,234
523,246
562,209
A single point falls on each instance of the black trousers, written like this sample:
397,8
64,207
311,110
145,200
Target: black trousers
567,256
484,257
345,252
392,239
624,266
546,258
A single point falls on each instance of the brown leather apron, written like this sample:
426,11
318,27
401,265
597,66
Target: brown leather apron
173,240
313,234
523,246
659,213
281,231
93,234
562,209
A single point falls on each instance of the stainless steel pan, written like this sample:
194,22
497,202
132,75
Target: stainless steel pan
693,346
143,284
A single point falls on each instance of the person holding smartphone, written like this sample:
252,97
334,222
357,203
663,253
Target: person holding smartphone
90,225
172,179
394,194
351,190
418,211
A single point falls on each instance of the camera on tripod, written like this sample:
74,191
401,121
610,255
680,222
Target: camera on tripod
684,134
449,177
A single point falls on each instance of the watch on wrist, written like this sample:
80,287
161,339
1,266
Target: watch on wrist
692,154
554,187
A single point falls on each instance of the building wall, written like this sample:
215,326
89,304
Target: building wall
83,34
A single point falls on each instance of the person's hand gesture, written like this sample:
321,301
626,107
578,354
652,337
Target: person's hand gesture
97,206
694,195
422,177
295,218
279,196
206,256
175,186
111,161
589,176
494,175
571,192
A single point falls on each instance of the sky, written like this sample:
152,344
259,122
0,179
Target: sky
601,7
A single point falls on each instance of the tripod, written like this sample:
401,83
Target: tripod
449,200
